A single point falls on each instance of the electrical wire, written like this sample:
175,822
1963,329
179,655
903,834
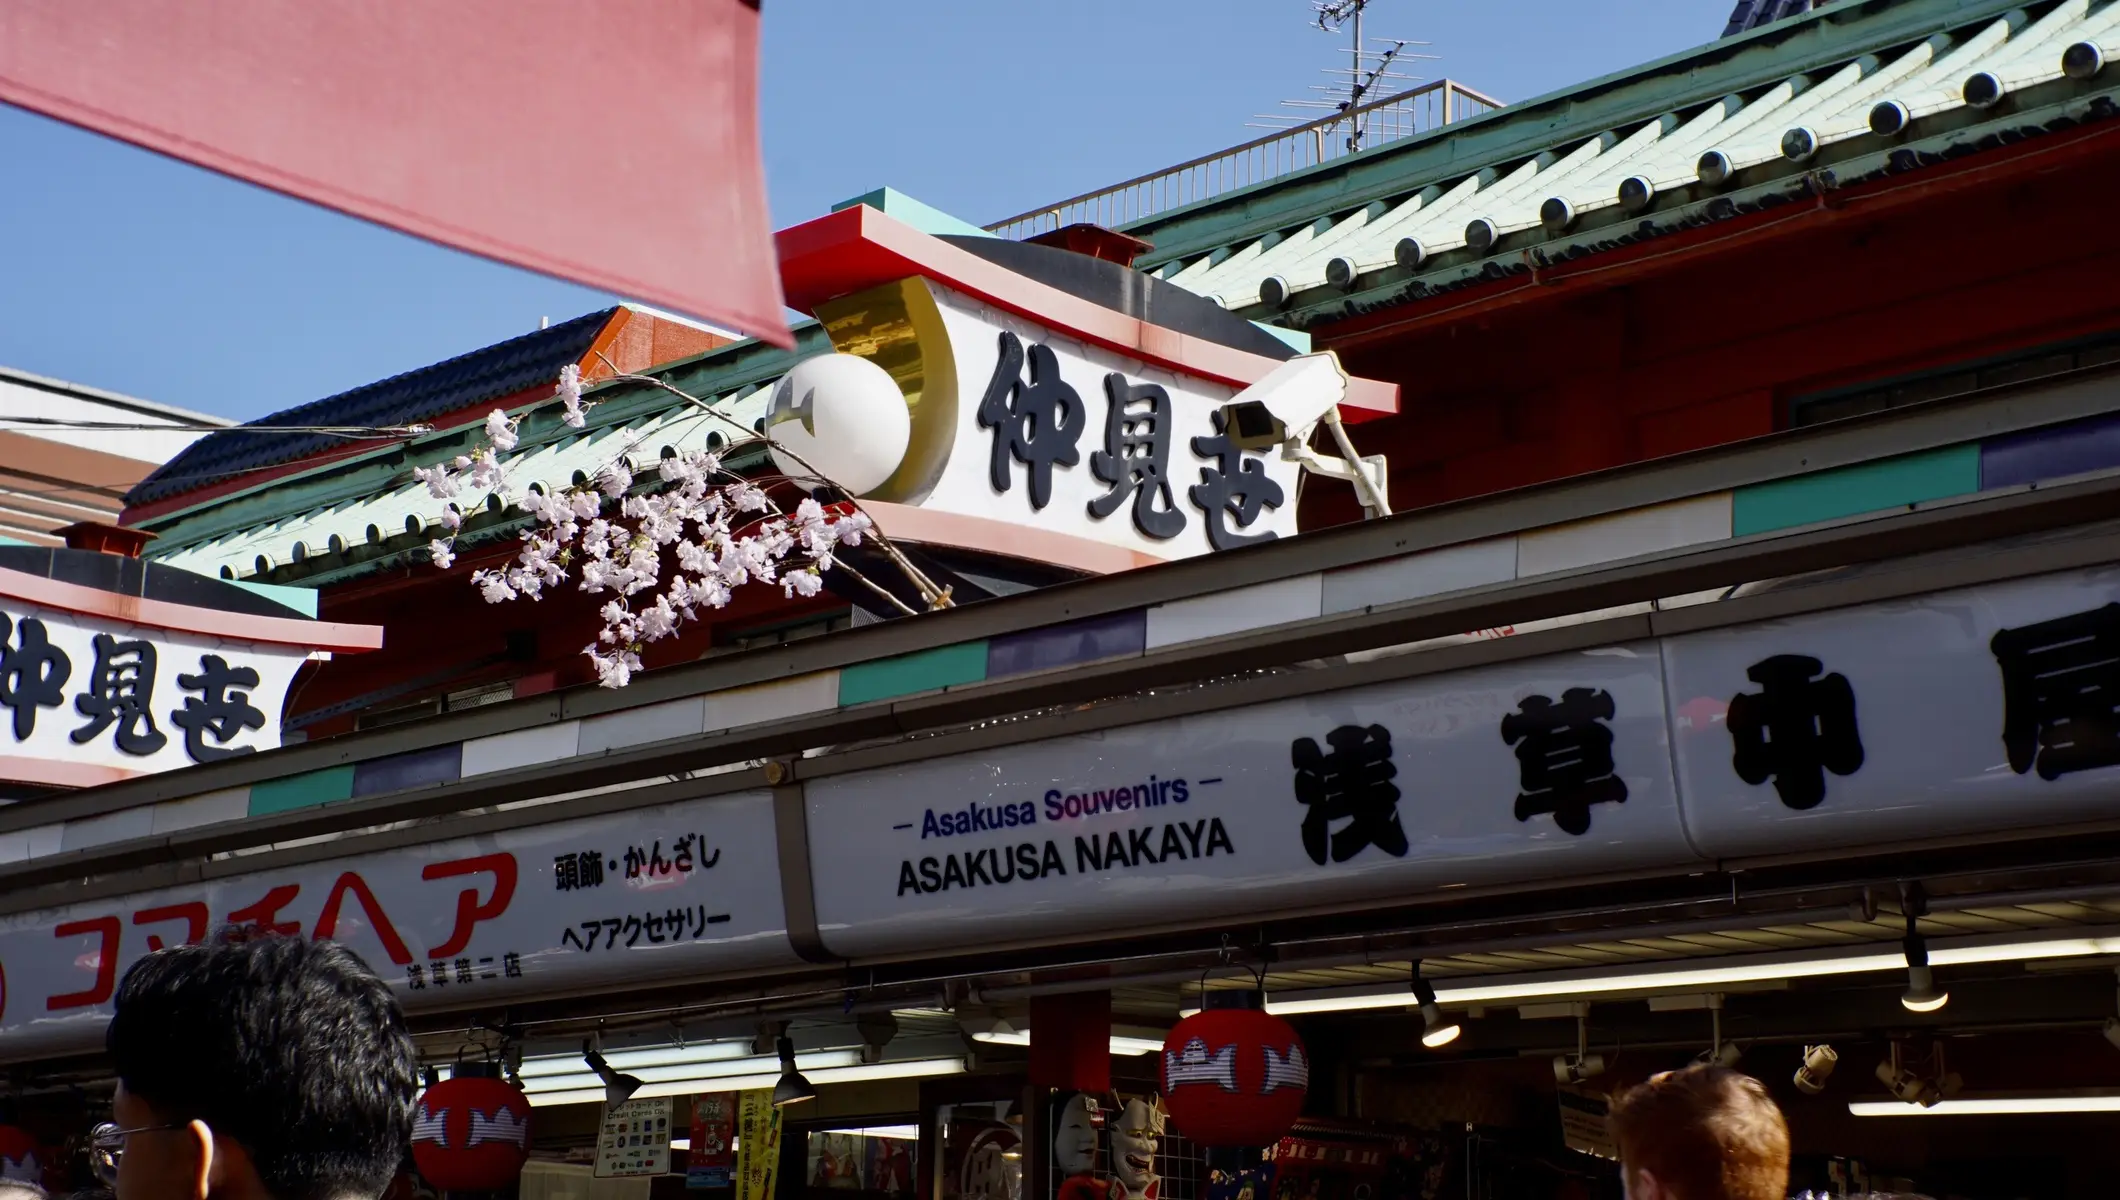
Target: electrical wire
351,431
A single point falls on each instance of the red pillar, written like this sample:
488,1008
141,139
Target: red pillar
1071,1042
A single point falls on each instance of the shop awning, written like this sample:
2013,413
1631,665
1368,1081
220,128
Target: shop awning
615,147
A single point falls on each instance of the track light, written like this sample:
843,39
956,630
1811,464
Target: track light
1719,1052
618,1088
1818,1064
1922,995
1908,1086
876,1030
792,1088
1581,1065
2112,1027
1438,1031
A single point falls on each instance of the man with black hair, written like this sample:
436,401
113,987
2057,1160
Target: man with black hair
257,1067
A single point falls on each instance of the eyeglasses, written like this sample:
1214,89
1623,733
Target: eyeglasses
106,1145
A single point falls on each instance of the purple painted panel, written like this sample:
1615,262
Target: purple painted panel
1063,645
420,768
2092,444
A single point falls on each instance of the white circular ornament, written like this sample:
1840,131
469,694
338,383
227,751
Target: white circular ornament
845,417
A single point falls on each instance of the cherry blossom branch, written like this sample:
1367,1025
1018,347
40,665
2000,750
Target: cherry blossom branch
609,539
936,597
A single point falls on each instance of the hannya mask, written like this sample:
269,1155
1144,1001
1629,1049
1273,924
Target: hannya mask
1136,1136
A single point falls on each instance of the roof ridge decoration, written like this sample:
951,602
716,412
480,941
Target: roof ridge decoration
1846,94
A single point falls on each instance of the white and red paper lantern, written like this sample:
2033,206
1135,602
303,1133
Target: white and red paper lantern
471,1133
21,1158
1234,1077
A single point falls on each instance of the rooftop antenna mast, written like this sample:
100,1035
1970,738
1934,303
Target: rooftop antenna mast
1368,75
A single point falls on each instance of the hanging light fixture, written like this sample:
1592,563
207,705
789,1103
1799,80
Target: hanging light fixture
618,1088
792,1088
1921,995
1438,1031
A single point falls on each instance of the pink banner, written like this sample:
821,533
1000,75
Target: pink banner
610,142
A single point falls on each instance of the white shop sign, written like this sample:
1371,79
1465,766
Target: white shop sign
1976,711
1959,712
85,691
1364,795
634,898
1054,432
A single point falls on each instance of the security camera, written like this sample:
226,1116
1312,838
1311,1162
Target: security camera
1575,1068
1818,1064
1287,401
1286,407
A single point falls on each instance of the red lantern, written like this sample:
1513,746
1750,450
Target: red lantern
21,1160
1234,1077
471,1133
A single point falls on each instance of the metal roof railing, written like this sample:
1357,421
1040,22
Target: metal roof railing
1428,107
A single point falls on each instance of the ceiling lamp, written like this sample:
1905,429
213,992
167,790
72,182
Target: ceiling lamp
1921,995
618,1088
1437,1031
792,1088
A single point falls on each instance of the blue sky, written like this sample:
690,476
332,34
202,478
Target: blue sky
142,275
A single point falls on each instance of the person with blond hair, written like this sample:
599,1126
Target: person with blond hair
1703,1133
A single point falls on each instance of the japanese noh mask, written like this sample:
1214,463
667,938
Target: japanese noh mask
1075,1135
1136,1136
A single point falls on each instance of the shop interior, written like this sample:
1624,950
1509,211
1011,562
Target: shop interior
1971,1052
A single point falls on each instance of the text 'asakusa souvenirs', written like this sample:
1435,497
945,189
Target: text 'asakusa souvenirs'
982,818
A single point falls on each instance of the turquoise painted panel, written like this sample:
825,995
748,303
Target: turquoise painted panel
1848,491
926,671
302,600
1297,339
301,791
927,219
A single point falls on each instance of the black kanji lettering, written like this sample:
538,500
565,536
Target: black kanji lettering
219,711
1564,756
1135,460
121,692
1352,783
486,969
1231,487
512,964
1037,423
2060,687
566,873
1794,729
33,672
590,870
463,970
415,978
439,973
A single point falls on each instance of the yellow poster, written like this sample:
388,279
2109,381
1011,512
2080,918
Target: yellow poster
757,1145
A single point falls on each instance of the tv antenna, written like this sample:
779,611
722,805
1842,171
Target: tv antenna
1370,74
